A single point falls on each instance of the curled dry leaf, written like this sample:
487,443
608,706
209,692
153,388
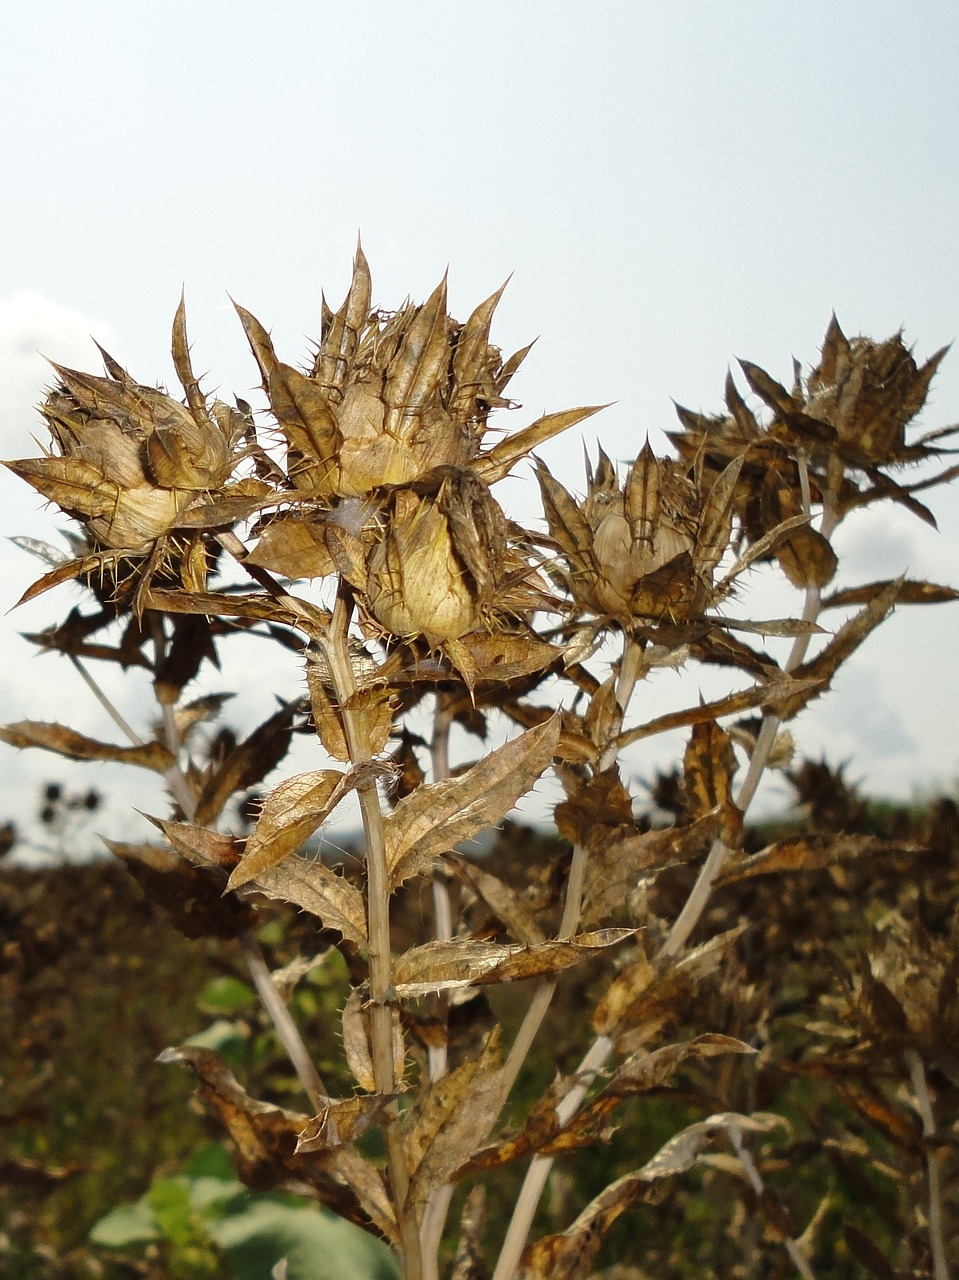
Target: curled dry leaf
76,746
708,768
440,815
310,885
447,966
451,1118
566,1255
292,811
812,853
342,1120
248,763
644,993
265,1141
357,1045
910,591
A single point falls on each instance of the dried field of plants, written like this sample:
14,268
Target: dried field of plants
666,1043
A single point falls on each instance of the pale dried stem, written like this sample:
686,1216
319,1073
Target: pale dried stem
442,906
283,1022
335,645
755,1180
630,669
437,1208
601,1049
937,1240
105,702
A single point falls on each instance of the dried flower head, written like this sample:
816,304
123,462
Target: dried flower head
127,459
390,397
643,551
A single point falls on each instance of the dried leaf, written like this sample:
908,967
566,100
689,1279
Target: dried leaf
75,746
200,846
496,464
642,1072
290,814
812,853
265,1137
483,657
566,1256
708,768
501,899
217,604
646,991
356,1041
439,816
293,547
911,591
248,763
761,695
451,1118
464,962
847,639
341,1121
326,894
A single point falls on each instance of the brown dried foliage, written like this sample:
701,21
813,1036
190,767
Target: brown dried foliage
376,471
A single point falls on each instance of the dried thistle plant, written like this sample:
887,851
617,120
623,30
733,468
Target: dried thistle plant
373,469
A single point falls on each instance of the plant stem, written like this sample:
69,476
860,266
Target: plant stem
282,1020
335,645
630,670
756,1182
601,1049
104,701
937,1242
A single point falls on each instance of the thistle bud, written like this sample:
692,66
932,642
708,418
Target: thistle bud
416,583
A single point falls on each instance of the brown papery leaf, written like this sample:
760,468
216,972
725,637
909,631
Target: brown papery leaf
445,966
200,846
647,990
452,1118
500,897
615,868
67,571
217,604
758,696
265,1137
642,1072
439,816
812,853
356,1041
293,547
911,591
329,896
310,885
496,464
290,815
482,657
248,763
234,504
342,1120
75,746
567,1255
844,643
708,768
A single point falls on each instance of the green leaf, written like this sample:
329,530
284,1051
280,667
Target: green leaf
127,1225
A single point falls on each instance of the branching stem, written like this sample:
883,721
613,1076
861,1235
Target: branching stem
937,1240
335,645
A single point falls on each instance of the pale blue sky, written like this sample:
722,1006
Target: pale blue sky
672,185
